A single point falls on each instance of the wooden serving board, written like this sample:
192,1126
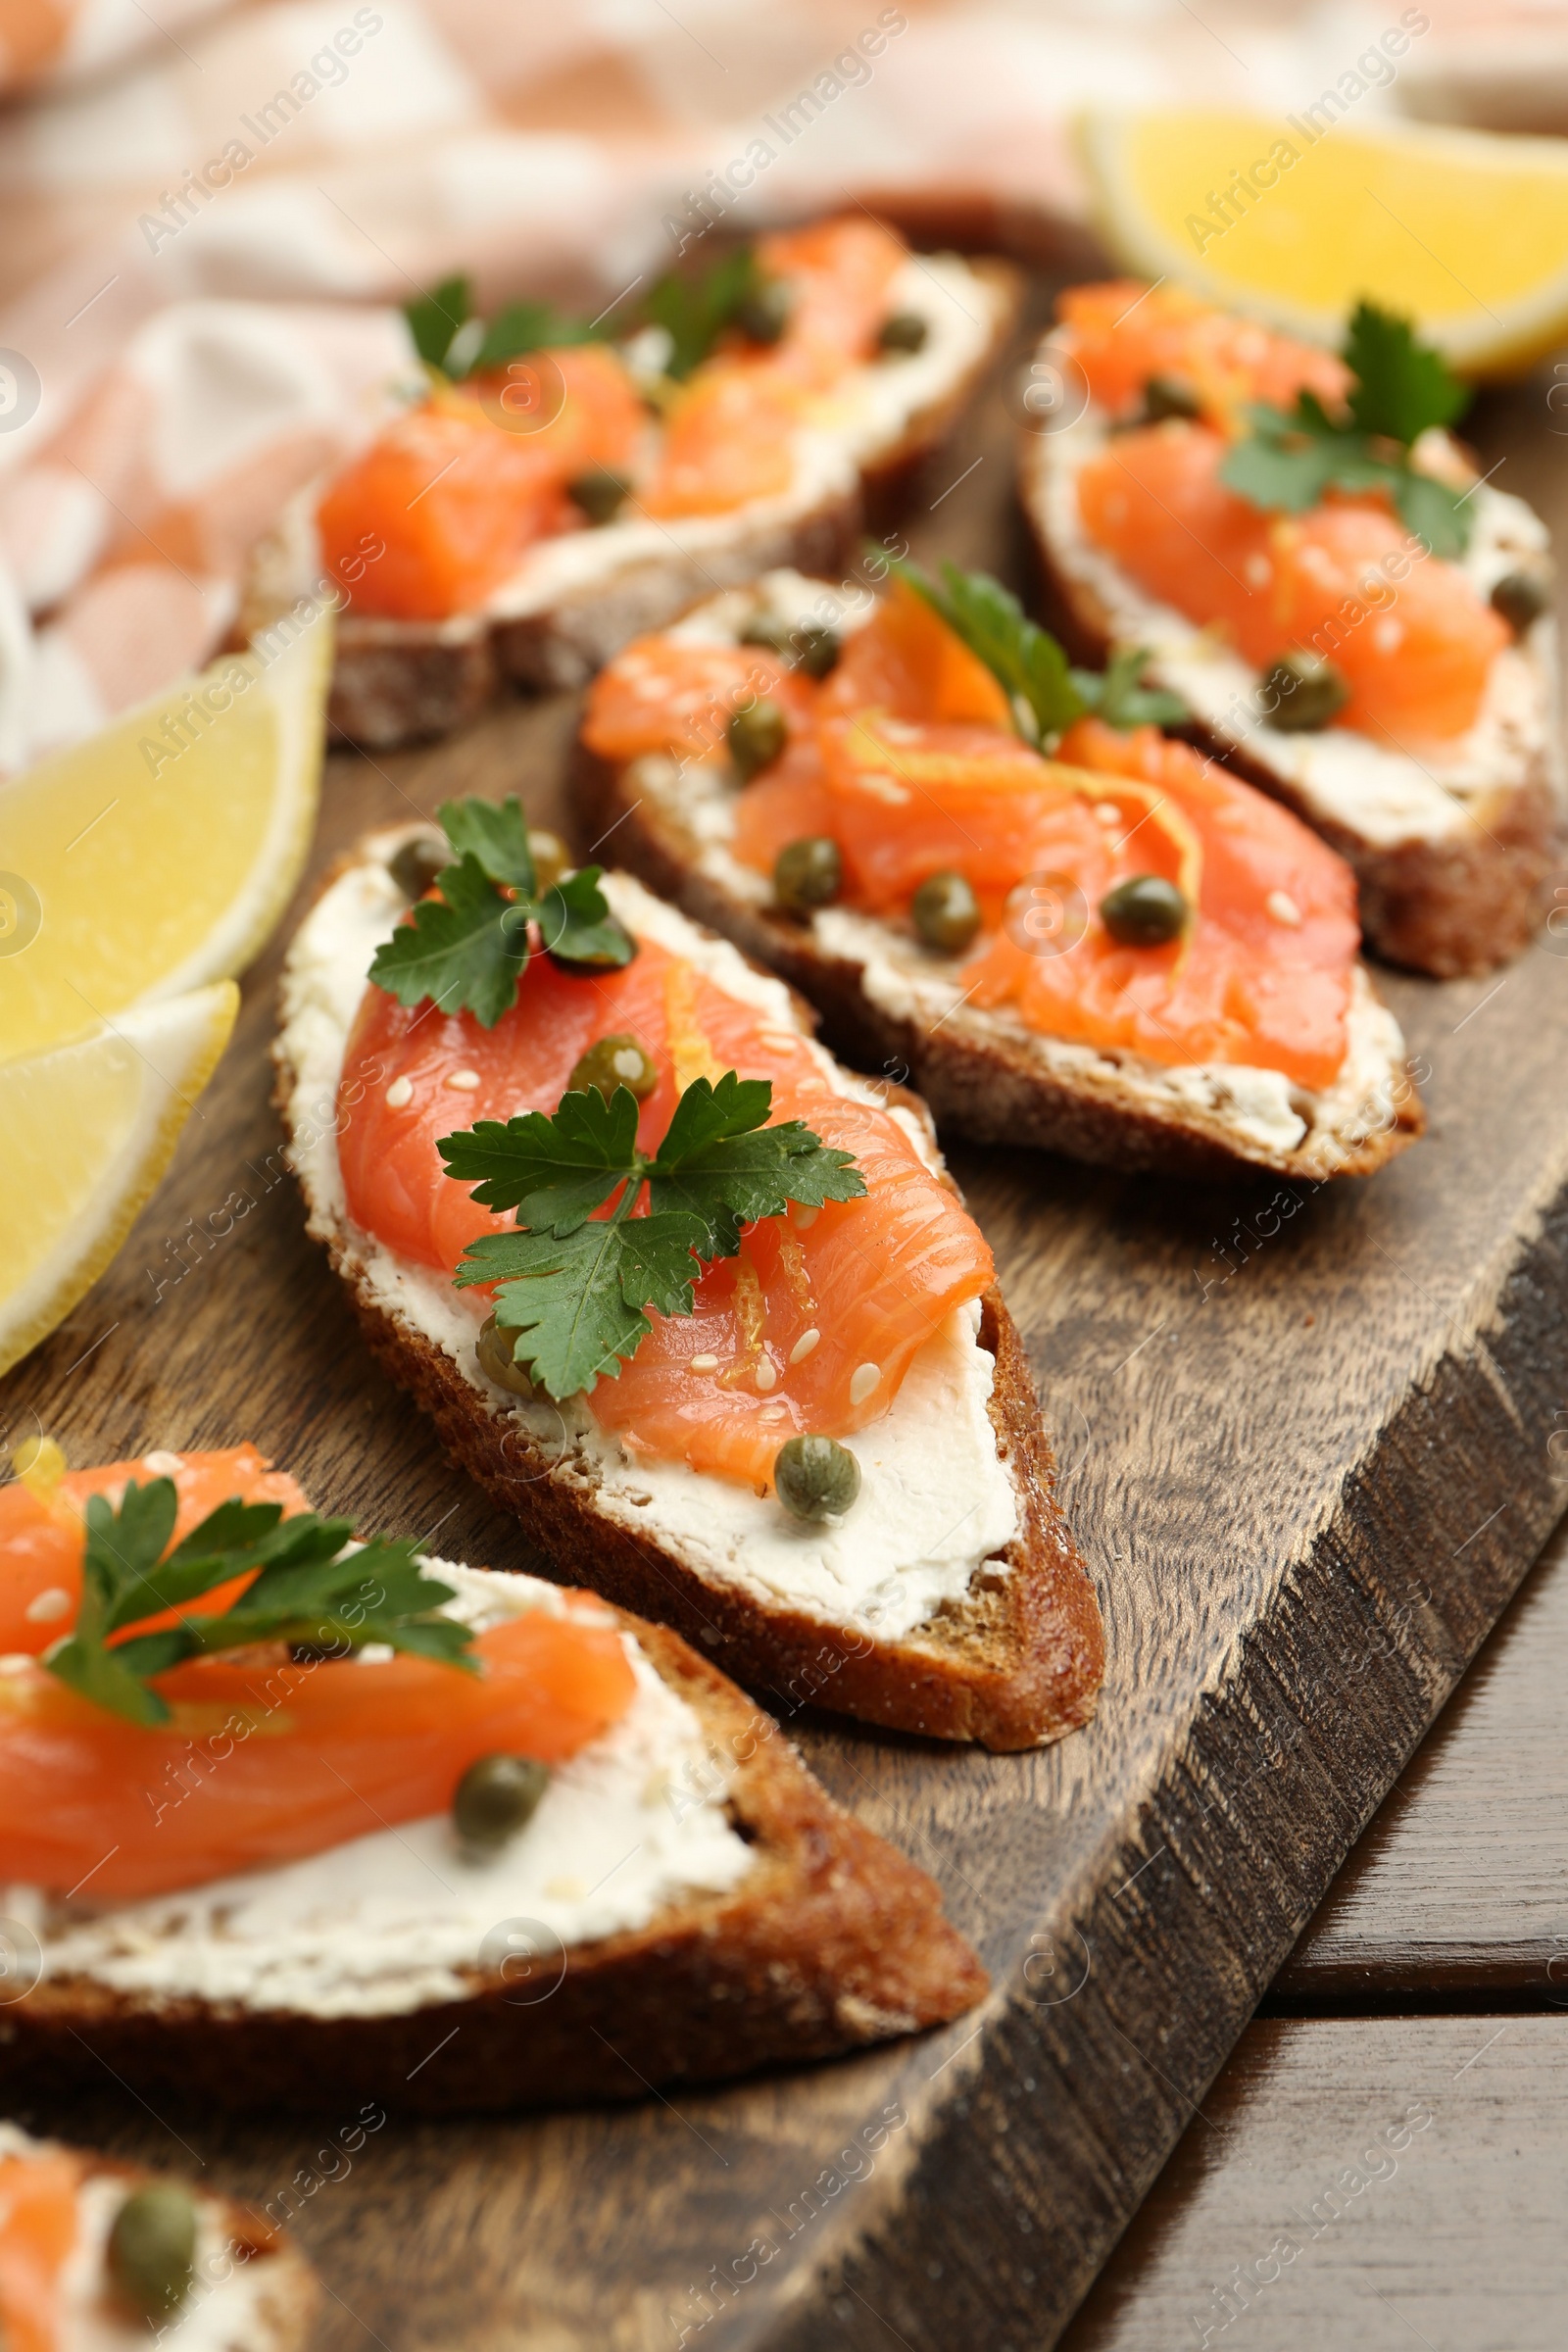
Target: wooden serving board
1307,1450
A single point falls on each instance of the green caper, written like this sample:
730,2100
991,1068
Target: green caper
1170,396
414,867
1521,597
906,331
764,314
496,1798
619,1061
809,646
945,912
816,1477
601,493
1299,694
756,735
551,857
1144,911
808,875
152,2248
494,1347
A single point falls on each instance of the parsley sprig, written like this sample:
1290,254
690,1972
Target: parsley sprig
694,309
309,1591
1046,695
450,336
468,949
575,1286
1402,387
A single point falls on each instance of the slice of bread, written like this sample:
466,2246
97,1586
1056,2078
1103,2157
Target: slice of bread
1449,852
952,1602
888,1004
578,598
740,1920
251,2290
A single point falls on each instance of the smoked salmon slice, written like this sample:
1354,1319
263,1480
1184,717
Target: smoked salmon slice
267,1761
38,2227
1414,639
456,499
810,1329
41,1524
927,776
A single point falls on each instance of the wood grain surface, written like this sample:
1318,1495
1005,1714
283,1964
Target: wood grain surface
1458,1890
1382,2182
1306,1443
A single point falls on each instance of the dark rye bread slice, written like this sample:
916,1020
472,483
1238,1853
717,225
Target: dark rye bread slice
1452,907
832,1939
1016,1663
399,681
282,2290
979,1077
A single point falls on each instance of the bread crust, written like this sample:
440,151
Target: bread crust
832,1940
978,1080
398,682
1017,1664
1453,908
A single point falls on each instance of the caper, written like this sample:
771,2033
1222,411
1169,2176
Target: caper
551,857
619,1061
946,914
497,1796
1521,597
1170,396
755,736
152,2248
809,646
1299,694
906,331
816,1477
764,314
808,873
1144,911
601,493
494,1349
414,867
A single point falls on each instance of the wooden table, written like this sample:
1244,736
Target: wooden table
1306,1442
1426,1998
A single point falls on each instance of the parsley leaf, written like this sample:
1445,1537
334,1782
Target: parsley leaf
1045,696
310,1590
694,311
467,949
574,1288
1401,386
435,318
1293,457
450,336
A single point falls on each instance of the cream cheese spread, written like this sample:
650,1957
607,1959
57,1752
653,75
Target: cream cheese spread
1343,777
935,1501
401,1919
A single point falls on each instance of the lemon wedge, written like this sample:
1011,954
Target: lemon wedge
90,1129
1292,218
159,855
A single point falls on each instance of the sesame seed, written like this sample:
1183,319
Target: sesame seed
802,1218
704,1363
400,1091
1107,813
862,1381
465,1080
804,1345
44,1607
1283,908
767,1377
162,1465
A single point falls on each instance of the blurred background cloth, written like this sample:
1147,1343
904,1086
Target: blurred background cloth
170,171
